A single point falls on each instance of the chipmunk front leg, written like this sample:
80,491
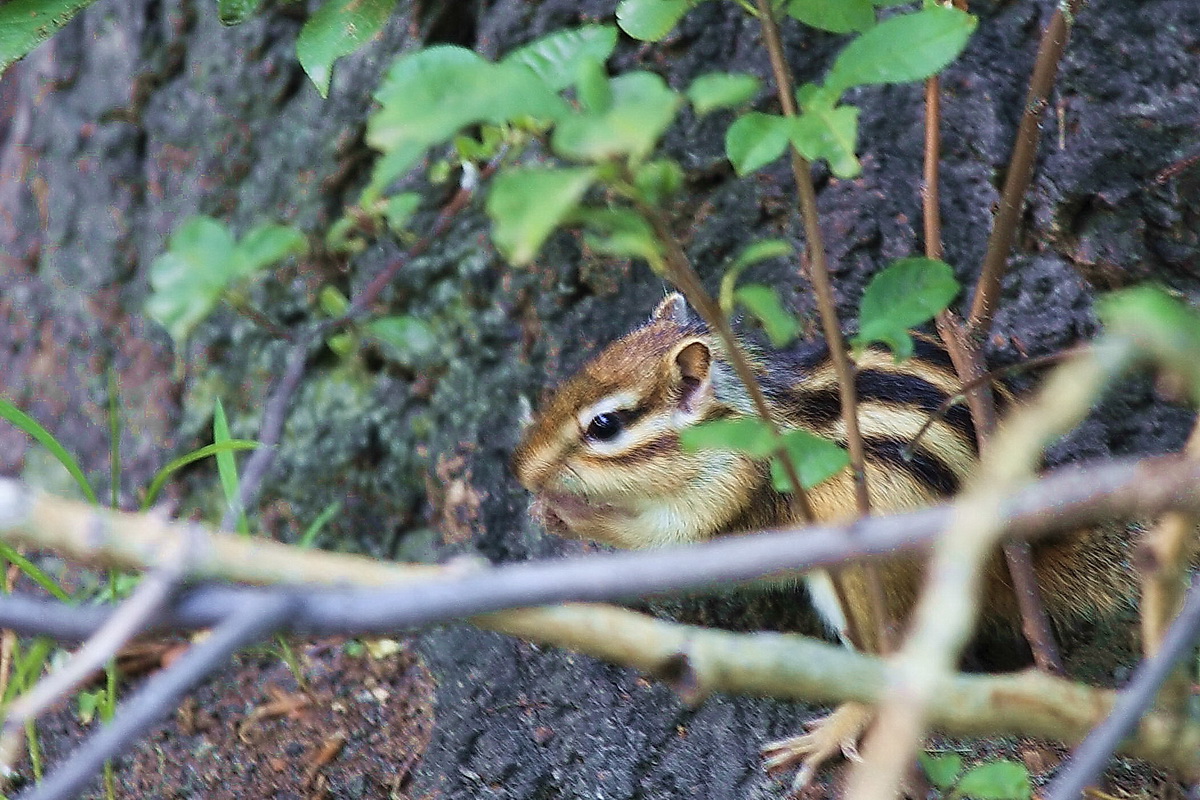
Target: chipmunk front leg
841,730
827,736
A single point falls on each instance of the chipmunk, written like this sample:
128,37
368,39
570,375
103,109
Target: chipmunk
604,462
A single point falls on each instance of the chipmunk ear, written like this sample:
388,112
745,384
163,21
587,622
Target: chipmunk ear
673,308
692,366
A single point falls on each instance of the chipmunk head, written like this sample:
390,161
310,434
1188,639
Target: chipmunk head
603,457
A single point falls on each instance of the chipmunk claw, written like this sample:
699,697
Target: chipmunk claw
827,736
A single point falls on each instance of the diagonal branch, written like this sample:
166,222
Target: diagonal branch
949,602
1131,703
680,272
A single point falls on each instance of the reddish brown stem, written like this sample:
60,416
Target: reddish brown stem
968,362
818,275
680,272
1020,170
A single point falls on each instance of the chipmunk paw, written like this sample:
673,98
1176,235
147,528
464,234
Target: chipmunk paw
827,736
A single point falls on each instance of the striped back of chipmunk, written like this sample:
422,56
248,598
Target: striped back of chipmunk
905,468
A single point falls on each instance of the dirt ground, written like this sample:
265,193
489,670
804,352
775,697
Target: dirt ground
354,730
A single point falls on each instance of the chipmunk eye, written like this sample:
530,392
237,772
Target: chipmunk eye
604,427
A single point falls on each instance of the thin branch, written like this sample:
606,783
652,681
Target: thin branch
279,402
990,377
1091,757
968,362
1063,500
931,186
1024,704
1020,168
132,616
818,275
466,191
161,694
271,428
945,614
1165,559
680,272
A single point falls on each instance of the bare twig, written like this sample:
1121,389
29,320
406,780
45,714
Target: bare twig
818,274
931,186
968,362
275,413
147,601
1020,168
1066,499
8,637
1165,562
1034,704
162,693
271,428
992,376
1091,756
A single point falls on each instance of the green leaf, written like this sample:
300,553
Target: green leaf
227,467
173,466
400,208
556,58
755,140
263,246
996,780
761,251
390,166
526,205
622,233
87,703
749,435
750,255
721,90
651,20
941,770
841,16
642,107
188,279
405,339
815,459
763,304
592,87
829,133
906,294
32,428
29,664
427,96
34,572
235,12
24,24
337,29
907,47
658,180
312,531
201,262
332,301
1162,326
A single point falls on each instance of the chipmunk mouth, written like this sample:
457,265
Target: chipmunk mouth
572,515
